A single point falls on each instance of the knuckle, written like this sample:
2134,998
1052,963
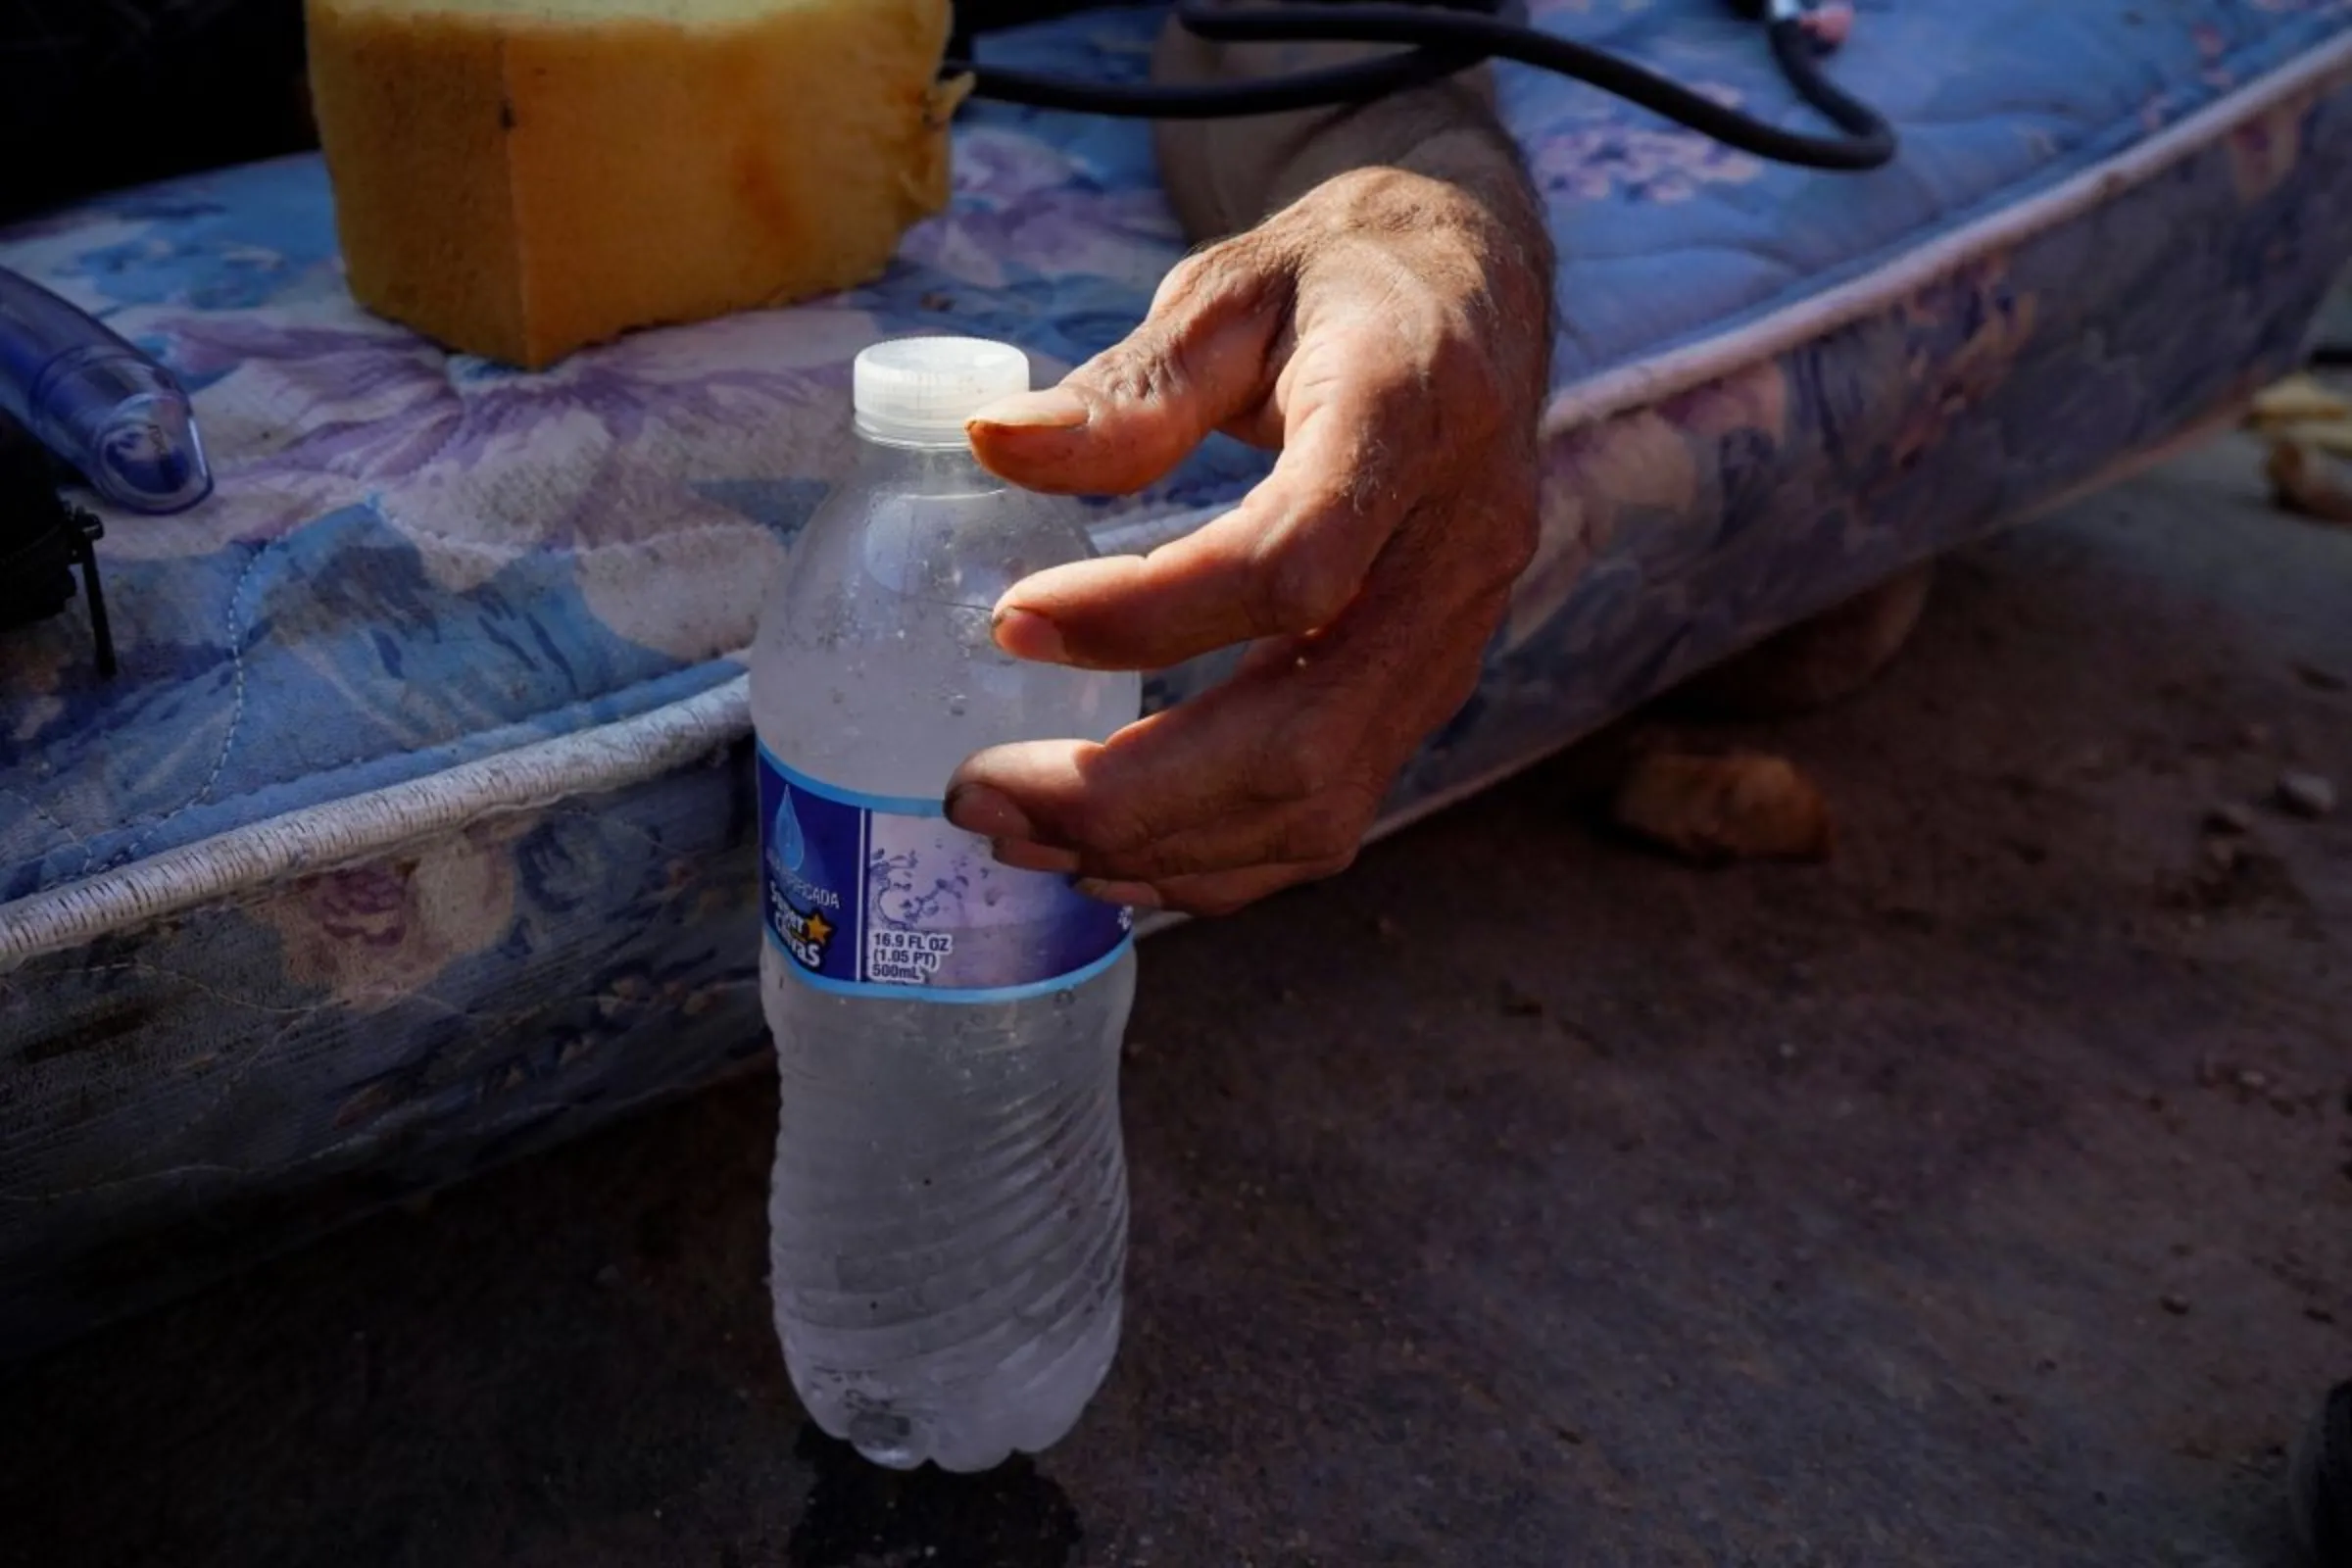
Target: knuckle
1204,273
1300,585
1302,761
1286,775
1318,839
1216,901
1462,371
1229,271
1160,360
1154,863
1474,380
1493,536
1142,370
1410,418
1107,826
1451,381
1187,279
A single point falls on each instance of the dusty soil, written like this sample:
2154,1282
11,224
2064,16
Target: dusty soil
1984,1197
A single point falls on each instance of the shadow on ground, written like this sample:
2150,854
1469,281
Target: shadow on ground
1981,1198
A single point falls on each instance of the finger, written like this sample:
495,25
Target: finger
1270,766
1227,753
1288,561
1025,856
1322,831
1203,358
1218,894
1284,763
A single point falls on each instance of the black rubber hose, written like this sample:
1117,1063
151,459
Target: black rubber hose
1873,141
1312,89
1440,42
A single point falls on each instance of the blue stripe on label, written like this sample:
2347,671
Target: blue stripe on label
888,805
871,903
967,998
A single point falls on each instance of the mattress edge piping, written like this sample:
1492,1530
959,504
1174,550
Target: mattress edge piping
339,833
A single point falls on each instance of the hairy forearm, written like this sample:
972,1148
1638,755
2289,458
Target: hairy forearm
1225,174
1443,145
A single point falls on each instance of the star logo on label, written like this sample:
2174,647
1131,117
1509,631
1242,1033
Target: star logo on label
819,929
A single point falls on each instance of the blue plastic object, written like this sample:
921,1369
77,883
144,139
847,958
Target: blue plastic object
100,405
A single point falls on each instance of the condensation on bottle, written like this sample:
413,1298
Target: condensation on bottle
949,1213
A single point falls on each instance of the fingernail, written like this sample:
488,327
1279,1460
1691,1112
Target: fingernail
1133,895
1026,634
977,808
1023,856
1055,408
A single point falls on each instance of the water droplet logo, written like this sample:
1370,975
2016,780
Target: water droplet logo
788,848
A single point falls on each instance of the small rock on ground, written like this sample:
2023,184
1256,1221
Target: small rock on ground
2306,795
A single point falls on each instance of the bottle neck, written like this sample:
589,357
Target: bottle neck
918,436
935,461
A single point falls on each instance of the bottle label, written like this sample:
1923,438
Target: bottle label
883,896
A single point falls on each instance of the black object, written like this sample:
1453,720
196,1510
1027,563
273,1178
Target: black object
101,94
42,539
2320,1482
1440,38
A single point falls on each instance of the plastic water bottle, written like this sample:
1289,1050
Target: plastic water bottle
949,1217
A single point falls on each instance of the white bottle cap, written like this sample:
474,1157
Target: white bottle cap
922,389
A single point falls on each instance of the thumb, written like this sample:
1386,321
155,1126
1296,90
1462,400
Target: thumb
1202,360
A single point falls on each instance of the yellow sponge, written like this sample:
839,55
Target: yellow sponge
520,178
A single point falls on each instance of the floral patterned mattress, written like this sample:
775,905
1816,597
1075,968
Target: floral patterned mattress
416,830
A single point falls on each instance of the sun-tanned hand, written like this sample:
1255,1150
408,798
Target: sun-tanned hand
1389,332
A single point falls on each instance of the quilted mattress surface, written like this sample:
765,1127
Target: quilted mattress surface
415,828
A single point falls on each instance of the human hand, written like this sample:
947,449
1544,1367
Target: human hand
1390,334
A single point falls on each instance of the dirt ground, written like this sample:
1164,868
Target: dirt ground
1981,1198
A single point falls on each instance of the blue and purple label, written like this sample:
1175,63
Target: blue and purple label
882,896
